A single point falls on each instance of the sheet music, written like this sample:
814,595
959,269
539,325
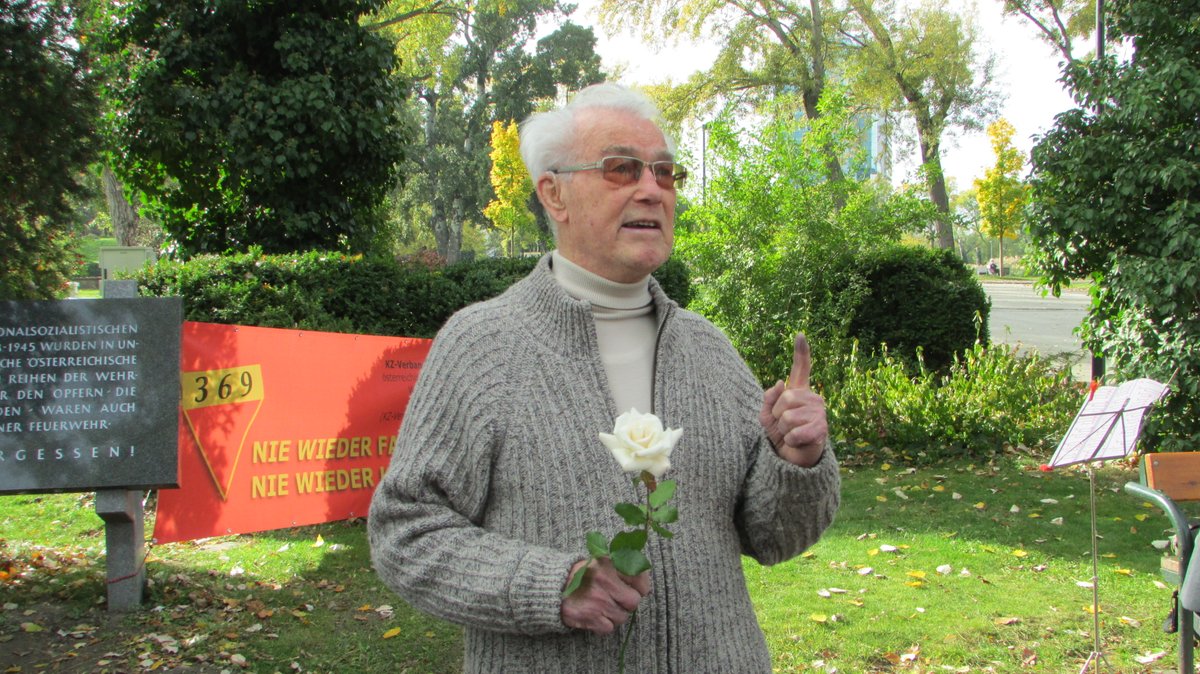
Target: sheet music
1108,424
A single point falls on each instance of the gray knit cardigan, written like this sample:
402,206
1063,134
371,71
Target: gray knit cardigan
499,474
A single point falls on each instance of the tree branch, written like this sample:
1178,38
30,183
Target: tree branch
437,8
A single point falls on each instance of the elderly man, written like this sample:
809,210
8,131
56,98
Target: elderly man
499,472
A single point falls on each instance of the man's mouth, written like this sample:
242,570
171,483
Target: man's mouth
641,224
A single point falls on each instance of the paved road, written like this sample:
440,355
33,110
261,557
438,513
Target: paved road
1022,316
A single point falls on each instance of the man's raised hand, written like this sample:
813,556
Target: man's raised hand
793,415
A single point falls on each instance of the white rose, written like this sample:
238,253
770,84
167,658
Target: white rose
639,443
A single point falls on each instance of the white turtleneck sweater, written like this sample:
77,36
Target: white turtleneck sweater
626,330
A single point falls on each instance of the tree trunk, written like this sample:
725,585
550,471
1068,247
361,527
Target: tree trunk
124,217
931,164
815,87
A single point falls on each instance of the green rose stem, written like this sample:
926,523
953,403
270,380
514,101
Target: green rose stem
626,550
651,487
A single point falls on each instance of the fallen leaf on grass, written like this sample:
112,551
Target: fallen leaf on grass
1147,658
394,632
32,627
319,542
1007,621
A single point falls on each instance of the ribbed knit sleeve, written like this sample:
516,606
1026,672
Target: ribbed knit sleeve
787,507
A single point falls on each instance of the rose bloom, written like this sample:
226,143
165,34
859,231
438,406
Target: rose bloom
640,443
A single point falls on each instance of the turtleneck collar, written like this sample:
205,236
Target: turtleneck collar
601,292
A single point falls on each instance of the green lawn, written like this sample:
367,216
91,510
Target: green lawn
950,568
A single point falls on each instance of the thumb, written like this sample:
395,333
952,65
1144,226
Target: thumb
801,363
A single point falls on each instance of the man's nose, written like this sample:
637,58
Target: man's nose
647,183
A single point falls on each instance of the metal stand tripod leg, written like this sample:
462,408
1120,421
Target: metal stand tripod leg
1096,656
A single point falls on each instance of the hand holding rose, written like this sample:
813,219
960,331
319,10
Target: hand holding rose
605,599
793,415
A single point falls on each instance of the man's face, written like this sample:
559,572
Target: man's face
621,232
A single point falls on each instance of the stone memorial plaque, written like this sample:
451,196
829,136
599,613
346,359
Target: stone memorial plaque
89,394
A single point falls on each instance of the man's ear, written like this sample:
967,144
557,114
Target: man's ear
549,191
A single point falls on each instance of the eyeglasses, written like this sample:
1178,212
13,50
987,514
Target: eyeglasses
628,170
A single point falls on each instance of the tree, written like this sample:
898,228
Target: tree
768,47
1001,193
763,243
1058,22
480,72
926,63
126,221
47,113
1116,199
509,211
256,123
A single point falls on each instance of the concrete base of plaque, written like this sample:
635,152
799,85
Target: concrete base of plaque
124,543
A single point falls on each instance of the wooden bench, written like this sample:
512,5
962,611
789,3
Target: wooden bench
1167,480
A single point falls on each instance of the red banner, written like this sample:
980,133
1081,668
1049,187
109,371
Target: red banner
283,428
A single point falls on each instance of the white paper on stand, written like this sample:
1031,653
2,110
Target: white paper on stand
1108,425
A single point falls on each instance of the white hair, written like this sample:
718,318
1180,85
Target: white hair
547,137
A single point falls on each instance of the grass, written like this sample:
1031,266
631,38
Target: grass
954,567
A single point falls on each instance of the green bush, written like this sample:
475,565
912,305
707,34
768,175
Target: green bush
330,292
918,300
990,399
335,292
